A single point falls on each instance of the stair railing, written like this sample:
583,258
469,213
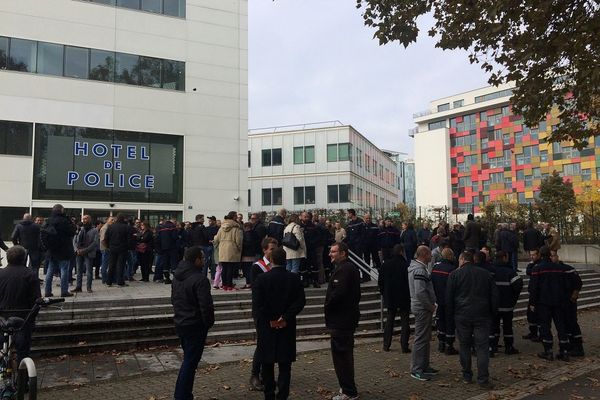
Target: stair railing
373,273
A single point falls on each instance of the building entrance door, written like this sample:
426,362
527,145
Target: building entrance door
103,214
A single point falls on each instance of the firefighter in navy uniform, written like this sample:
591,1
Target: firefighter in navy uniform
550,291
371,248
532,317
572,326
388,237
509,285
309,269
445,326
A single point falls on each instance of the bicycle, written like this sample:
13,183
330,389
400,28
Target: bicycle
24,382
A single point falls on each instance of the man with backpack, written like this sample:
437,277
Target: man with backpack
57,238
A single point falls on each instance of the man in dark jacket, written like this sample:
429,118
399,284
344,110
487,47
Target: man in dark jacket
371,245
277,225
473,234
532,238
166,246
27,234
509,285
572,326
393,286
118,239
424,235
472,300
194,315
355,233
277,298
439,277
550,292
314,250
389,236
260,232
209,257
199,237
57,237
87,244
341,318
19,289
508,242
532,316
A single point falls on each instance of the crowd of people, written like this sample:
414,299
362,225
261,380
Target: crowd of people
447,279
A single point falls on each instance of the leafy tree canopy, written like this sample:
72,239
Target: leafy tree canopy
549,48
557,199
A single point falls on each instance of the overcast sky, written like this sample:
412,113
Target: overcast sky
314,60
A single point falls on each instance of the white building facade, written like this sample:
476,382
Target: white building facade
123,105
405,175
327,167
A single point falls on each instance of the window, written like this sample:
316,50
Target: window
304,155
76,62
528,152
249,197
16,138
528,180
544,156
505,110
367,160
3,52
173,75
135,4
518,137
437,125
570,152
339,193
464,181
154,6
50,59
22,55
271,157
506,139
359,157
486,185
102,65
492,96
556,148
271,197
249,159
468,123
521,198
586,174
374,167
175,8
485,158
150,71
537,173
474,186
443,107
507,183
304,195
332,153
497,177
127,69
571,169
339,152
458,103
484,143
344,151
498,134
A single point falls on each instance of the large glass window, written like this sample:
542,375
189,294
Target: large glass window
134,4
3,52
271,157
154,6
127,69
175,8
16,138
79,163
332,194
76,62
50,59
309,154
272,197
22,55
304,195
102,65
266,197
276,157
173,75
344,151
298,155
149,71
332,153
443,107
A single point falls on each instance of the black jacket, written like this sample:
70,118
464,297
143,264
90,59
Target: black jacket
191,298
550,284
278,294
471,294
532,239
343,297
313,236
439,277
507,241
65,230
393,283
355,234
388,237
119,237
473,235
260,231
27,234
509,285
371,233
408,239
198,235
276,227
167,236
19,288
249,243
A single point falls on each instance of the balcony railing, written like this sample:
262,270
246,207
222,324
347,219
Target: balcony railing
422,113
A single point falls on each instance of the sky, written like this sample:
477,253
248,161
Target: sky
314,61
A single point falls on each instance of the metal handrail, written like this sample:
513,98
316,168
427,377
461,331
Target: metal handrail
373,273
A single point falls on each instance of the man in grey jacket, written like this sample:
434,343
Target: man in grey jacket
86,243
422,297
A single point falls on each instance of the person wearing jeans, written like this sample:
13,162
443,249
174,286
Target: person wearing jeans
295,256
56,236
87,244
194,315
104,250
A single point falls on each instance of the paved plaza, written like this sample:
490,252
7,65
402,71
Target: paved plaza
225,371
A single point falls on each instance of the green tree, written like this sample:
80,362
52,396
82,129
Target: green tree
549,48
556,203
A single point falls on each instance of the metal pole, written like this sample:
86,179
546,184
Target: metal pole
593,222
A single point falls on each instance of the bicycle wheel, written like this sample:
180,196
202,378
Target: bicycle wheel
27,380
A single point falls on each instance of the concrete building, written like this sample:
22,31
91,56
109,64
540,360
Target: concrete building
123,105
471,149
326,166
405,175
